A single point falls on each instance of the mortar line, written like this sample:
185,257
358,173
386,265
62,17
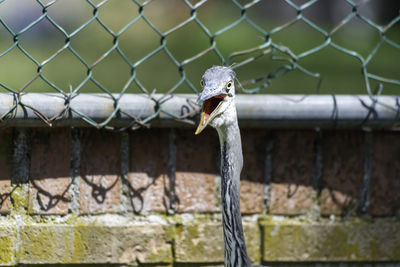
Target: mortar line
269,146
317,172
125,158
74,190
20,181
21,156
20,169
172,169
365,190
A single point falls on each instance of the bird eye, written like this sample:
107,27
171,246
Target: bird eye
202,83
229,85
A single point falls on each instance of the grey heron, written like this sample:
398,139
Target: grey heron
219,111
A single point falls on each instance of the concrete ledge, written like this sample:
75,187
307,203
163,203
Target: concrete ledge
203,242
94,244
157,240
87,243
354,240
8,245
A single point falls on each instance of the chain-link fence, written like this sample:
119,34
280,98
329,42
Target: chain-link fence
132,46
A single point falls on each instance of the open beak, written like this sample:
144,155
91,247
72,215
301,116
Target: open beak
209,111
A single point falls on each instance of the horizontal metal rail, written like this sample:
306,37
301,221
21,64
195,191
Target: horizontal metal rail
263,111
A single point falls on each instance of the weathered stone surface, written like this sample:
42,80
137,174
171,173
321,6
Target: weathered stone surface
5,169
291,188
203,242
385,174
8,245
148,171
252,236
355,240
46,243
193,242
342,175
252,182
100,187
196,158
114,240
98,244
49,171
143,244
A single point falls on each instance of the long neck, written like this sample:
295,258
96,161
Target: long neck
231,166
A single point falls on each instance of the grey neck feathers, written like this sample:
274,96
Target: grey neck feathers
231,166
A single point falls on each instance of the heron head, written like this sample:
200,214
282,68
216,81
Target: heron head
217,96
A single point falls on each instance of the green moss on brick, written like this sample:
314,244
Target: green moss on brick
19,198
79,246
161,255
199,243
6,250
42,244
253,241
353,240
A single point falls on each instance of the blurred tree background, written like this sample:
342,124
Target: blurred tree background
71,42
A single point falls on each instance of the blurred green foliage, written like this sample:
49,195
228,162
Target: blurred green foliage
341,73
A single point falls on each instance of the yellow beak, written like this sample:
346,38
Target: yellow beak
205,118
202,124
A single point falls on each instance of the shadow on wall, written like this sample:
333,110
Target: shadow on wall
50,158
5,168
148,182
286,172
100,171
56,156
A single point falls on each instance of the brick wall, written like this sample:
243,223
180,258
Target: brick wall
151,197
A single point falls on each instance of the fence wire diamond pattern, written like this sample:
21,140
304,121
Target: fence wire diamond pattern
286,59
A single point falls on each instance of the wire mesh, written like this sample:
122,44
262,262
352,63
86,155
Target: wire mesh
137,45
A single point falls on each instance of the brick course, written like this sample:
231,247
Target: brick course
252,182
148,171
100,186
292,163
385,175
196,170
49,171
343,153
154,239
